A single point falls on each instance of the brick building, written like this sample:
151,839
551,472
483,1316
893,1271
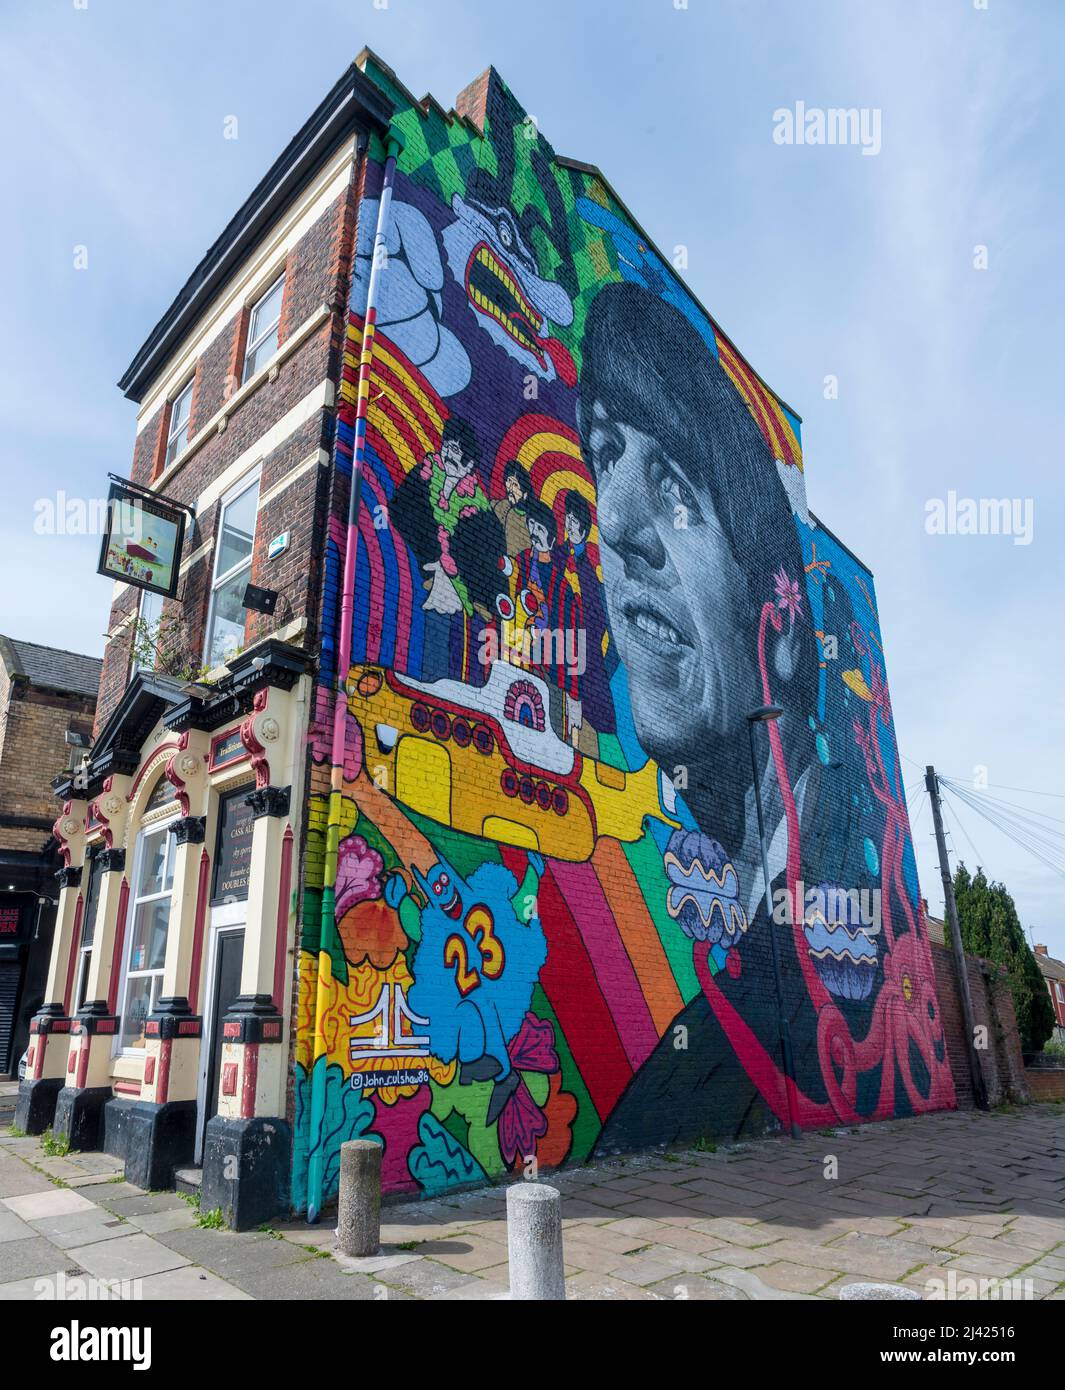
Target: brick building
459,845
47,699
1053,971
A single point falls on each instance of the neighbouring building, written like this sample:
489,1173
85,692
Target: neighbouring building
426,809
47,700
1053,971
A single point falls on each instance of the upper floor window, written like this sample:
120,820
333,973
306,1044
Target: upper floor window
146,632
1061,993
153,887
232,570
180,416
264,323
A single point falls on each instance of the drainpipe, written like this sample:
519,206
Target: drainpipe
316,1162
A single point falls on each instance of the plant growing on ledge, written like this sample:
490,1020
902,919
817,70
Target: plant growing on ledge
163,646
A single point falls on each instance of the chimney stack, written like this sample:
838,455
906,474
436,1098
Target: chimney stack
1041,950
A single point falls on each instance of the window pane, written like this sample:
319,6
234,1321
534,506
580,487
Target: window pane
267,311
147,950
227,623
138,1007
177,443
83,977
92,900
151,610
260,355
179,423
152,866
238,530
263,325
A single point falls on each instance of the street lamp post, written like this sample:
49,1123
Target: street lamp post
763,715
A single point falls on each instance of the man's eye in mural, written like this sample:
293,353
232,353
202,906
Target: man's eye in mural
515,306
679,499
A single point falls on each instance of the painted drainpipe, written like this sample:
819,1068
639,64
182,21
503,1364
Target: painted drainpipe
316,1160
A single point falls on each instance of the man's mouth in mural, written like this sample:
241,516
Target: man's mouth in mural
651,627
453,906
495,291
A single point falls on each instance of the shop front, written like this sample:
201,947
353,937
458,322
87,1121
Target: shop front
163,1034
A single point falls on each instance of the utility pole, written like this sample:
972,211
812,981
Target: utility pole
979,1089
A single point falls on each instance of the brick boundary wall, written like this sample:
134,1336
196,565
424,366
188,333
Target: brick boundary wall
1046,1083
1002,1062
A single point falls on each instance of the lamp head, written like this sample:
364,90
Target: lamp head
764,713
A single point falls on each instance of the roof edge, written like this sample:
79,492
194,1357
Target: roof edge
354,103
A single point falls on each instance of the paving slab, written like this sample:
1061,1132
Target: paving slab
154,1223
313,1280
81,1228
12,1227
29,1289
188,1283
232,1254
57,1201
130,1257
21,1259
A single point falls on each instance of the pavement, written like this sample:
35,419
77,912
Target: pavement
947,1204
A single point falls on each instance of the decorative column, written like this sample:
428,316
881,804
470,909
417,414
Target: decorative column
162,1123
47,1053
87,1089
247,1146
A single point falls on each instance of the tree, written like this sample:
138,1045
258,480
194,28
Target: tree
991,928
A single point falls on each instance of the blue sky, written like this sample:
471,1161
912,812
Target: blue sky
817,260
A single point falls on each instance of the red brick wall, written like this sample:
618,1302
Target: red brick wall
1001,1061
1046,1084
317,271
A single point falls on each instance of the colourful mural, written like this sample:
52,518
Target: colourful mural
535,926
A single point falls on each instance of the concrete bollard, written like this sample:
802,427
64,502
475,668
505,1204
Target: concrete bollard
534,1242
359,1218
860,1293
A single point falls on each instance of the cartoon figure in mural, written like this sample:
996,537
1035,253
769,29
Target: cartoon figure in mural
510,508
410,302
480,949
442,512
553,642
600,660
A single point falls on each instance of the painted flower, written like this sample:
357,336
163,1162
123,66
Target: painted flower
358,874
789,599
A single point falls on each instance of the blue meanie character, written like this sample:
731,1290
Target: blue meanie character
480,946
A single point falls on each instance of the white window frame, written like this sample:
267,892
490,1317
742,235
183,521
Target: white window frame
1061,991
146,595
146,833
250,480
252,345
81,982
182,427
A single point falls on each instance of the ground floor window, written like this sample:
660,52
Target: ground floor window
149,924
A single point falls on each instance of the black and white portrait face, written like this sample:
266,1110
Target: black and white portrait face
691,515
676,597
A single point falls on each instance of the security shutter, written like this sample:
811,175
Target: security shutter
10,974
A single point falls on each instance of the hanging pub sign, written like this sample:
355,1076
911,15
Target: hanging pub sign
142,541
236,822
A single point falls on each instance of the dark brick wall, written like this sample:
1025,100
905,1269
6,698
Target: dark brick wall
1001,1061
